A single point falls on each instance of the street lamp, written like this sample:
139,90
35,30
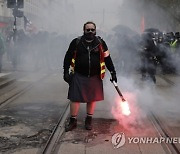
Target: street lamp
15,5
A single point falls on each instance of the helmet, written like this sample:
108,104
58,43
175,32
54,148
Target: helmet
170,36
177,35
160,37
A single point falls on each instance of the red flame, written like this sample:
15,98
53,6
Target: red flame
127,113
125,108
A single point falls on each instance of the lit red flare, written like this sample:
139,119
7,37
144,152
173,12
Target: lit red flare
121,109
125,108
122,106
125,112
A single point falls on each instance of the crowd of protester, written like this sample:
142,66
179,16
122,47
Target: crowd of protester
41,50
131,51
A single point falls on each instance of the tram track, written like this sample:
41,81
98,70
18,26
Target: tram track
15,92
58,131
20,89
52,143
162,132
160,127
167,80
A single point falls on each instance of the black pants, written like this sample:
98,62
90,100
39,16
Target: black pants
148,69
1,55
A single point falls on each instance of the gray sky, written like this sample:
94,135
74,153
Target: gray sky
68,16
103,13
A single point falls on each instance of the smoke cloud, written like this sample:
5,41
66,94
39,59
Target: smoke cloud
119,22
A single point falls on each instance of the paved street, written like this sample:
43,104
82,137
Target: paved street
27,121
99,140
31,116
135,44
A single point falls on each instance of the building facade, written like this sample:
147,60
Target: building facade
6,18
33,10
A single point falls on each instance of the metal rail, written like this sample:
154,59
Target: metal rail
167,80
172,148
52,142
19,92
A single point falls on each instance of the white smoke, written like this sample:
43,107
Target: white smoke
66,18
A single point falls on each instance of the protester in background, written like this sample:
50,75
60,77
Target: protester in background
2,50
148,57
9,46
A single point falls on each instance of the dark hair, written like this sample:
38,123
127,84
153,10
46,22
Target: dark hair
89,22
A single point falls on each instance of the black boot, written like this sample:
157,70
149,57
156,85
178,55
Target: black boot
88,123
143,78
72,124
153,78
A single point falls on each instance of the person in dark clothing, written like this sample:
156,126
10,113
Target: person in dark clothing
177,36
2,50
170,44
148,57
87,55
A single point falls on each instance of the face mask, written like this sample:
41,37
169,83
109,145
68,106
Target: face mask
89,36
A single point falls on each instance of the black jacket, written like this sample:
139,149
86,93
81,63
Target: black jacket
87,60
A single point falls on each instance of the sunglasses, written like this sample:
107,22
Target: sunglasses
92,30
